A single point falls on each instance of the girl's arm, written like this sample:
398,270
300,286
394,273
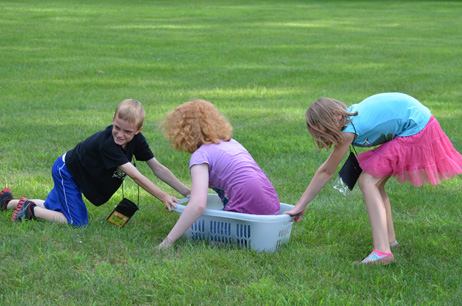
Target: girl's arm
195,207
167,176
147,185
322,176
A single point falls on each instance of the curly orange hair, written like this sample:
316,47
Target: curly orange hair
194,123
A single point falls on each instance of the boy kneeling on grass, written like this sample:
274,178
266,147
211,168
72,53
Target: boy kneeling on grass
97,167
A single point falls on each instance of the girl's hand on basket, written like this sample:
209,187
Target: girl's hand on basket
296,212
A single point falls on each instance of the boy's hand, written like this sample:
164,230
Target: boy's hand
188,193
296,212
169,202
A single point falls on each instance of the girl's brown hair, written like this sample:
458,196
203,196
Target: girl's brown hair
323,123
194,123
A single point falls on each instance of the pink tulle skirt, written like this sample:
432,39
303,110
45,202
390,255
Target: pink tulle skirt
426,157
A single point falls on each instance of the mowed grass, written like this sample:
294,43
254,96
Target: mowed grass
65,65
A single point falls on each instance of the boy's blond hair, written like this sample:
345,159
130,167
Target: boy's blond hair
323,123
195,123
132,111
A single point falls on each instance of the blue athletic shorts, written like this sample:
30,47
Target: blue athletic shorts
66,196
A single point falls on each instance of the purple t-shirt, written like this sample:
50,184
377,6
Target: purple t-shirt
235,173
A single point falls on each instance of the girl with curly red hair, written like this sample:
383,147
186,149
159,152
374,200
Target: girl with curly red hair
218,162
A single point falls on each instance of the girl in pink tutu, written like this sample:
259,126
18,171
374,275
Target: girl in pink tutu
412,147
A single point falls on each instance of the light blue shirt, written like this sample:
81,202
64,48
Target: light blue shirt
384,116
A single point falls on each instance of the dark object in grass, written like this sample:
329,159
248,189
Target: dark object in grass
350,171
122,213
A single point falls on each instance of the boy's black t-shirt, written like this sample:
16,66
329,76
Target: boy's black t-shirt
94,163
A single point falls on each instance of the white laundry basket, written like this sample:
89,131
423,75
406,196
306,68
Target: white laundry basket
257,232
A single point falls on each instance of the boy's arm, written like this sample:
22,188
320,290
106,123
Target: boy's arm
147,185
168,177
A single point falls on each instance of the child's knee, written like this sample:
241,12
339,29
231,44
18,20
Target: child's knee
365,181
368,182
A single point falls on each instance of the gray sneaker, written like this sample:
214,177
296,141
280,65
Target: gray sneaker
23,211
5,198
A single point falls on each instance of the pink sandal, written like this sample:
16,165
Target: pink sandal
377,257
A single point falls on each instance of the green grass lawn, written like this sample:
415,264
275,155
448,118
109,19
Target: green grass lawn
65,65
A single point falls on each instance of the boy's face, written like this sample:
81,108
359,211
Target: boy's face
123,131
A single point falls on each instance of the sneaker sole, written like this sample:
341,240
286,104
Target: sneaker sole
20,204
6,190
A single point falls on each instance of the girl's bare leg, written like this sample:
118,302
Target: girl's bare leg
386,202
370,187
